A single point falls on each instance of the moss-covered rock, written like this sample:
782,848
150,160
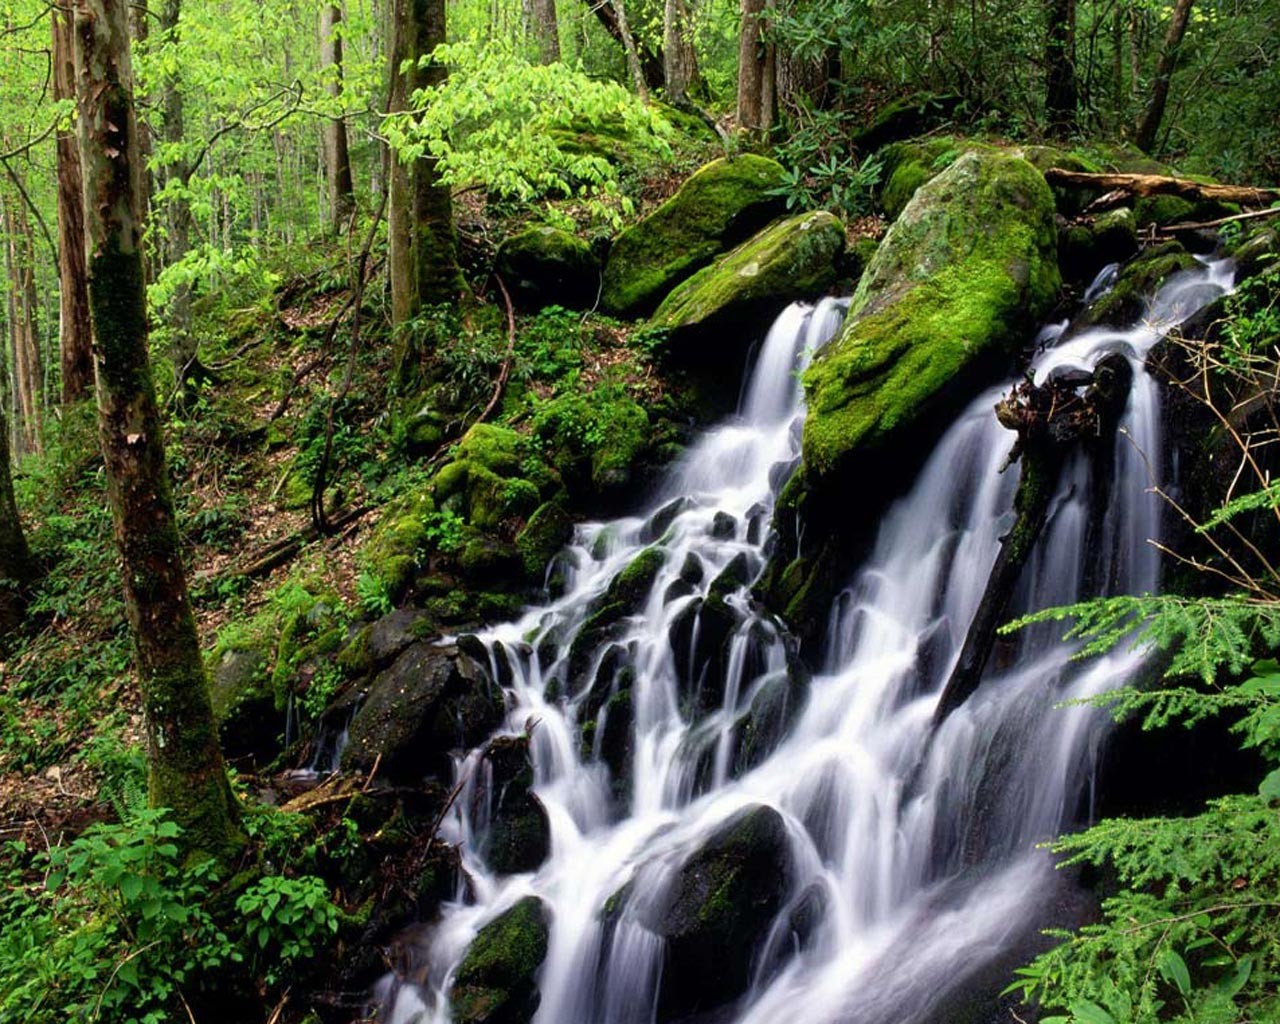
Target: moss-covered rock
430,701
793,259
1138,280
244,704
548,530
905,166
719,909
631,587
497,980
1084,248
719,206
518,837
971,262
594,440
544,266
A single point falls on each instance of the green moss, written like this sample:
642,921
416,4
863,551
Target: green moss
594,439
1163,210
969,263
631,586
501,963
547,531
908,165
544,265
792,259
1126,300
355,659
716,208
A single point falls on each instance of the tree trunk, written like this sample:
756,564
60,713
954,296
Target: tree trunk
1062,93
28,377
629,46
1142,185
680,60
185,767
546,30
755,78
652,65
337,155
16,566
1154,114
74,340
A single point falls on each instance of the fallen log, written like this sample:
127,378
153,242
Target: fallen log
1123,186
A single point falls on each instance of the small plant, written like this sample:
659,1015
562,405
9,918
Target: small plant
289,916
445,529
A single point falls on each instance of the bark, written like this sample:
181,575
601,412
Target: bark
680,61
1142,185
24,330
337,154
546,30
652,65
755,76
1062,91
629,47
423,261
185,767
1149,127
75,344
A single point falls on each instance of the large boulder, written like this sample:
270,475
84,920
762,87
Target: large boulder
793,259
430,701
497,980
720,205
966,269
719,910
544,266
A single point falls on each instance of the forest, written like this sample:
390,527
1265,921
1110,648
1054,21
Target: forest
640,511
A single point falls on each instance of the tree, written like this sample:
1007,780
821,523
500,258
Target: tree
74,341
546,30
680,69
629,47
1149,126
24,329
185,767
423,260
16,567
337,156
1061,89
755,70
652,65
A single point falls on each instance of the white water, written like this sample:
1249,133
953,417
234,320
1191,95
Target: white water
922,849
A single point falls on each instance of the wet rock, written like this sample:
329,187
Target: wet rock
395,631
719,910
430,701
1125,302
249,725
723,526
660,522
497,980
766,722
519,835
548,530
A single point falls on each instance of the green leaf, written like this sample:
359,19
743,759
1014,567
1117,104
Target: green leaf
1090,1012
1231,985
1270,787
1174,969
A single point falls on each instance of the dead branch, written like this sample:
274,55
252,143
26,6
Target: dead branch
1122,186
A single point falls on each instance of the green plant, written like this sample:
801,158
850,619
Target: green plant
288,916
373,595
445,529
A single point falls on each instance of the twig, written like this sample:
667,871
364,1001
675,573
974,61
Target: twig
501,385
1270,211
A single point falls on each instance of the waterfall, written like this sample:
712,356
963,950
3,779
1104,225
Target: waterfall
912,854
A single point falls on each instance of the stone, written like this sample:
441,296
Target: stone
496,982
544,266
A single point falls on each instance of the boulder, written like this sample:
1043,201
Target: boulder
496,982
430,701
908,165
244,705
793,259
1125,301
519,835
548,530
715,209
969,265
544,266
1085,248
718,912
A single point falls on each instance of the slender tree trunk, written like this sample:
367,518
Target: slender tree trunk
546,30
337,156
186,770
28,378
75,344
651,64
16,566
755,77
1062,91
423,259
629,47
1149,127
680,59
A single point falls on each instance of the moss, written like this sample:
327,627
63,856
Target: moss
497,974
1163,210
1126,300
631,586
970,262
544,265
716,208
355,659
908,165
795,258
595,439
547,531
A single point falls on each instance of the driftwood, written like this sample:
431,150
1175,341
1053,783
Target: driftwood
1119,187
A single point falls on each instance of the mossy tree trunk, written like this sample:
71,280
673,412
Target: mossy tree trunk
24,329
651,64
629,47
185,766
423,258
679,58
755,71
75,345
337,153
546,30
1149,127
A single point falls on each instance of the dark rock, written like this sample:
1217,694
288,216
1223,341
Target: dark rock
497,980
723,526
392,633
244,706
660,522
718,911
519,835
545,266
430,701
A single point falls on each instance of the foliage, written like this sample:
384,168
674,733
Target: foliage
287,915
528,131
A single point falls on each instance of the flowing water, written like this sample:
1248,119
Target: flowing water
918,848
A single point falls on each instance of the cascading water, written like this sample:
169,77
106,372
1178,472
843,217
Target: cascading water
910,853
